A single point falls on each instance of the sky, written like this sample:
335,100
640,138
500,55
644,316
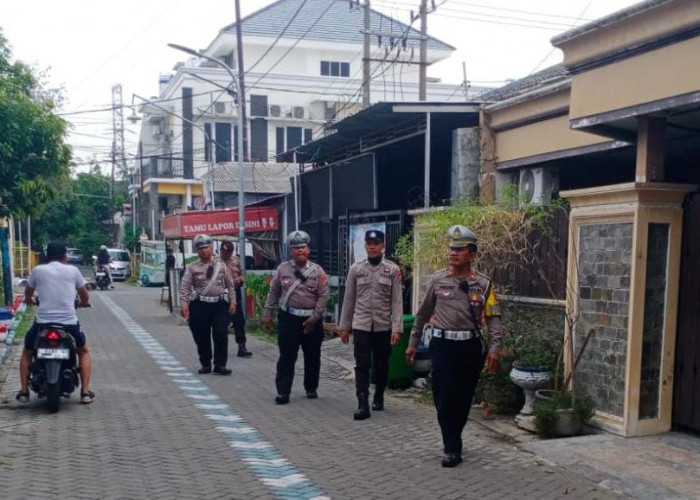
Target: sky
87,46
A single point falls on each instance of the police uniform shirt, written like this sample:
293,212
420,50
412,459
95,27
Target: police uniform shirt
449,306
373,298
310,294
196,280
234,267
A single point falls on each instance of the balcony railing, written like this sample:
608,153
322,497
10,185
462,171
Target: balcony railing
163,168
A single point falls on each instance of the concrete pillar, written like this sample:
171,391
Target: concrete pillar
487,174
465,163
651,145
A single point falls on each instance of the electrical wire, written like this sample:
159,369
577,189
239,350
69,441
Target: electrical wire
296,42
543,14
284,30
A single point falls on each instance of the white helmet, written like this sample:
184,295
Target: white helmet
201,241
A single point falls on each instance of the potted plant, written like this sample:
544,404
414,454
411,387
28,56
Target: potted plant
533,361
563,415
563,412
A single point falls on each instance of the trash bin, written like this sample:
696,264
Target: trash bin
400,373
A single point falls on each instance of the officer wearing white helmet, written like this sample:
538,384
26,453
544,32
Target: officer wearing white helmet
299,289
207,306
103,260
456,298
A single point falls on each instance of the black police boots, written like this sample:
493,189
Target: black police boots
451,460
378,400
362,407
243,352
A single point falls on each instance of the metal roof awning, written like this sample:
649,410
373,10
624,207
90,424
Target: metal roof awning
376,125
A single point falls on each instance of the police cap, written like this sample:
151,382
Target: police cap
201,241
374,235
460,237
297,239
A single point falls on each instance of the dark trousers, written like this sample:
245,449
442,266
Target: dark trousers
290,336
238,319
456,369
371,348
210,322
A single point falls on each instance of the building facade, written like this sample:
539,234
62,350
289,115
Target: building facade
614,131
303,62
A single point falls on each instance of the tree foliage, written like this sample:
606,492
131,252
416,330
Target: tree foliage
34,159
80,215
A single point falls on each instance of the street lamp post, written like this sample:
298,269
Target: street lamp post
241,178
207,139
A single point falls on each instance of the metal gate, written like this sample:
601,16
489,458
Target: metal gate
686,399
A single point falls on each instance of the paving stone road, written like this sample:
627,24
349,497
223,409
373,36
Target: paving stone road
159,430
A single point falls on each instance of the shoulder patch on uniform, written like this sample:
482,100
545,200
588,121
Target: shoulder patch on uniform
323,278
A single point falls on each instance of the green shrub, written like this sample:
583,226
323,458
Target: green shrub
546,416
499,393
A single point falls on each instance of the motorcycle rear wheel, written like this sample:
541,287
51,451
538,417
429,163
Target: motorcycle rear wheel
53,397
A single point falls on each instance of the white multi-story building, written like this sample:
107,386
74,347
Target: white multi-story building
303,61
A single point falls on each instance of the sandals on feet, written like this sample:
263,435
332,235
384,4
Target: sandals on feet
87,397
22,397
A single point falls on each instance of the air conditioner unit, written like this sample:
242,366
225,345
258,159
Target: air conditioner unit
330,110
275,111
298,112
538,184
220,108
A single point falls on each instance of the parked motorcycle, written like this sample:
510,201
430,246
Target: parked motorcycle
54,369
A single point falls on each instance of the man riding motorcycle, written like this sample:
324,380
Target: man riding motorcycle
56,283
103,260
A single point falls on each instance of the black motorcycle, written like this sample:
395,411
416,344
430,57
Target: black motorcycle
54,369
101,277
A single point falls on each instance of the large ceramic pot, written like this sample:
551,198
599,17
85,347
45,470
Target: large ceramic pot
530,379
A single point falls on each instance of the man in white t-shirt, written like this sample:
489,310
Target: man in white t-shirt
56,284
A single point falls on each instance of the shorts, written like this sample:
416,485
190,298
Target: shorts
73,330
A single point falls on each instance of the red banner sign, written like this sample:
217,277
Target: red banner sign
219,222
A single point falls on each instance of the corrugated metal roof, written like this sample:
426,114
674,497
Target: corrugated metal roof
545,77
338,24
258,177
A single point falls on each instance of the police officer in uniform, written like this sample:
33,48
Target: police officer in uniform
373,310
207,306
455,300
238,319
299,288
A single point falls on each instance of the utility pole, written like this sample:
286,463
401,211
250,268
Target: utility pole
423,65
241,80
118,155
465,81
365,59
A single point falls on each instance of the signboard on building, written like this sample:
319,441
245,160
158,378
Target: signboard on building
219,222
126,209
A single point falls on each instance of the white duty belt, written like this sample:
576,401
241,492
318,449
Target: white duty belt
304,313
454,334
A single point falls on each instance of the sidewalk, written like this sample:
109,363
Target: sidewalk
660,467
159,430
